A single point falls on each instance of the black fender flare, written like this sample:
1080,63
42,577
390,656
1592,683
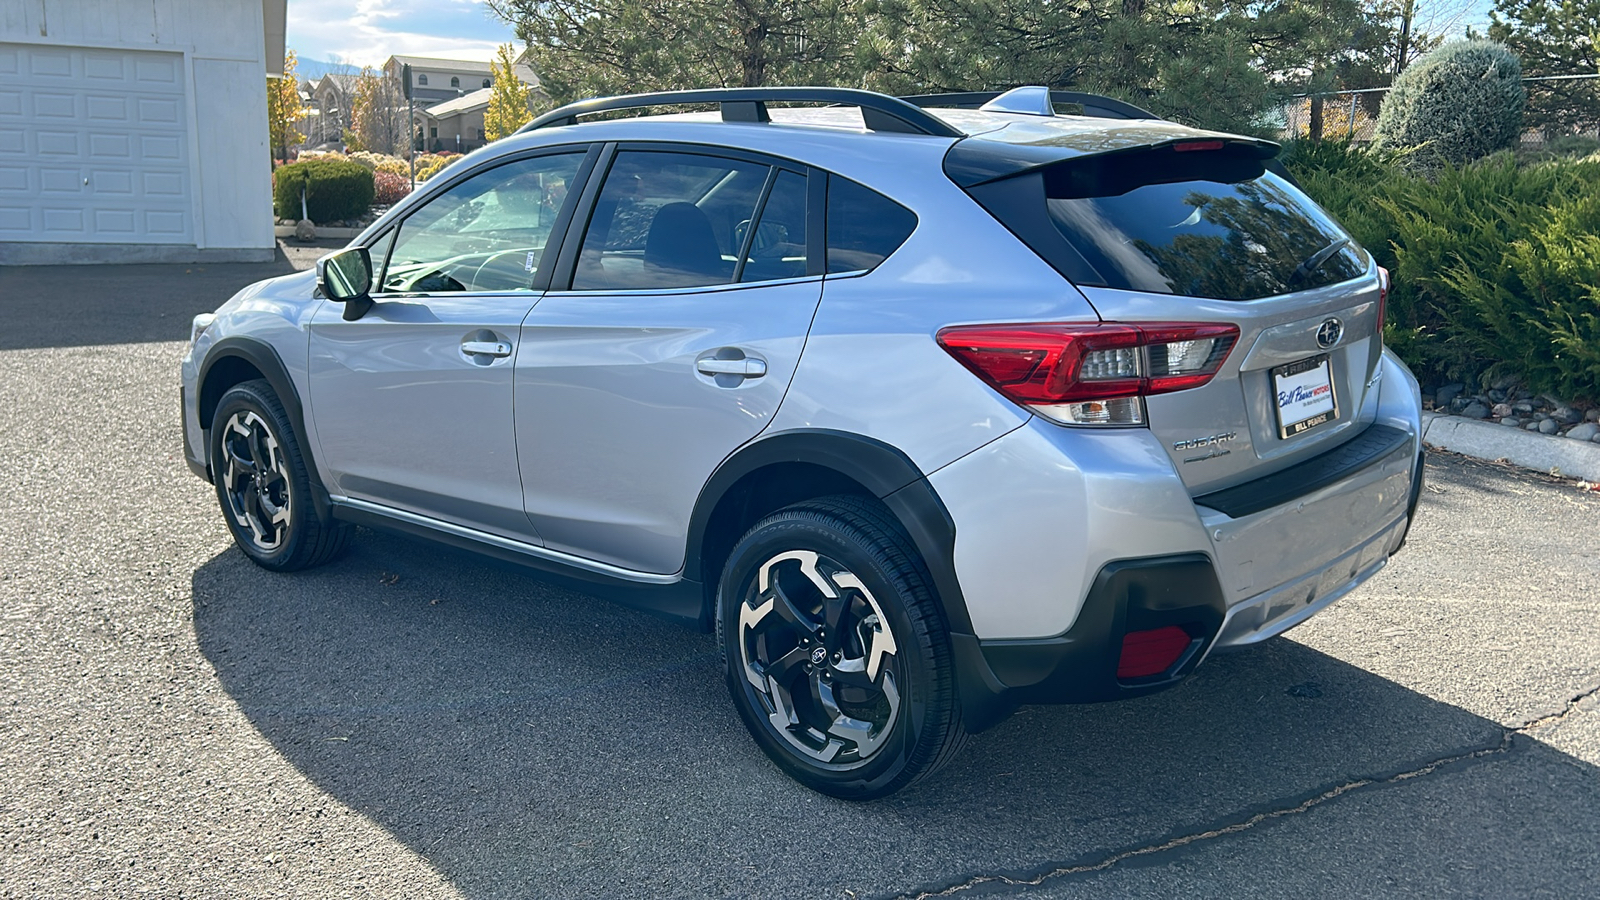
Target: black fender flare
265,360
884,470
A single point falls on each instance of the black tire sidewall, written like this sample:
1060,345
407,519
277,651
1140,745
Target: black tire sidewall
256,398
890,767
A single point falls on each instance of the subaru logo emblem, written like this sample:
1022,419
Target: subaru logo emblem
819,656
1329,332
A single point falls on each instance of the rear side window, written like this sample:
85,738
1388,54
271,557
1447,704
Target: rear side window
864,226
1207,224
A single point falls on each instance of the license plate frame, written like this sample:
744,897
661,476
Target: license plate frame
1296,370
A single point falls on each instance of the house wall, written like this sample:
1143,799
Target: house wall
218,50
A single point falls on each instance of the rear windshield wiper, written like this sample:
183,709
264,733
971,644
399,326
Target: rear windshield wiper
1315,261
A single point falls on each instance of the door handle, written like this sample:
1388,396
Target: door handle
486,348
747,367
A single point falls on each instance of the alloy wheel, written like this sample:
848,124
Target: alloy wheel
255,480
818,650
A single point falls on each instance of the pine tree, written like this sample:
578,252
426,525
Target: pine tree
284,109
508,103
1554,37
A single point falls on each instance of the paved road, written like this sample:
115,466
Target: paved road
413,722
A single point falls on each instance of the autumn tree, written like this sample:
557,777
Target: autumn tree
509,100
284,109
379,114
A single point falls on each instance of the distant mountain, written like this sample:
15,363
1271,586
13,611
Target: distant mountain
312,69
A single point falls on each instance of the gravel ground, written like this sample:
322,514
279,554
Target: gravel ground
410,721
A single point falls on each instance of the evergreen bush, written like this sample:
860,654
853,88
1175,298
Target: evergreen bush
335,189
1456,104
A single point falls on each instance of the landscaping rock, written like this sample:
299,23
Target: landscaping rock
1476,410
1497,396
1522,406
1447,393
1548,426
1584,432
1531,426
1593,415
1501,410
1566,415
1508,420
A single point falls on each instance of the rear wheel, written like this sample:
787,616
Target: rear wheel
836,653
263,484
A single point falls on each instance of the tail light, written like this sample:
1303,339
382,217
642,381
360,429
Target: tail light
1383,299
1090,374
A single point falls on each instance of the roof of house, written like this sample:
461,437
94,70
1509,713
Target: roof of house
478,99
448,65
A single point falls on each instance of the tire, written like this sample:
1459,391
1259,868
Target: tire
264,486
852,695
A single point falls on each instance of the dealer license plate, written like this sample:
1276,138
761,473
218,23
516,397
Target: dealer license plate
1305,396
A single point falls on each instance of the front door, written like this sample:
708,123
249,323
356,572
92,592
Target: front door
411,403
674,345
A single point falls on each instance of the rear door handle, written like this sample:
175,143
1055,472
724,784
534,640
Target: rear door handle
747,367
486,348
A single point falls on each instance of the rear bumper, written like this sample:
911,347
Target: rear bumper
1244,578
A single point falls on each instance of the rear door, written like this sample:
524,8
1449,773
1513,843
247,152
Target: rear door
688,295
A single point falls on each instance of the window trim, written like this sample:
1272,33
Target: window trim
558,230
566,265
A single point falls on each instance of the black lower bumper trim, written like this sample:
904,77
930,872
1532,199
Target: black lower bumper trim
1365,449
1080,666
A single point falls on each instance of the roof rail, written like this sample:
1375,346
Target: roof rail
1093,104
880,112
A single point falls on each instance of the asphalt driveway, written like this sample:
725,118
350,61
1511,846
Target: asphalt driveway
411,721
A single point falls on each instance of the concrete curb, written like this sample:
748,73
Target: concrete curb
1483,440
323,231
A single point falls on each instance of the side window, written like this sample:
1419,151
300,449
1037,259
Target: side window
668,220
487,233
778,247
864,226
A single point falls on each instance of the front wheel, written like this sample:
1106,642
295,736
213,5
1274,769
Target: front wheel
835,649
264,486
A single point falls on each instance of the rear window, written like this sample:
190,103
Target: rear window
1207,224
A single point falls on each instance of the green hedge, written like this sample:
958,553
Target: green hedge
336,189
1495,264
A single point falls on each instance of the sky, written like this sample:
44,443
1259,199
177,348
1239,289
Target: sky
367,32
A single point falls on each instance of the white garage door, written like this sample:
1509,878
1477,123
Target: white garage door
93,146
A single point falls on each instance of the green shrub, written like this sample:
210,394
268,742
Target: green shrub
1492,263
1536,315
1573,145
335,189
1456,104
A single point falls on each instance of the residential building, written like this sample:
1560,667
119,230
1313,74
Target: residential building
136,130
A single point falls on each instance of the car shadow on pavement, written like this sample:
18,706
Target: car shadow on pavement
531,741
89,305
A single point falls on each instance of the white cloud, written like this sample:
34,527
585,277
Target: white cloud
367,32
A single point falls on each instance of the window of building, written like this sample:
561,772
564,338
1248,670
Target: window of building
487,82
455,82
433,131
422,79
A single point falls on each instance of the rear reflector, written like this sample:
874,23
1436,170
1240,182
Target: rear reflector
1146,653
1091,374
1383,298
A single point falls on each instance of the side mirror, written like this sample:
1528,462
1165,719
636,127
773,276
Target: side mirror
346,277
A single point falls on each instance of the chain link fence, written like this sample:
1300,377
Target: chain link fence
1559,108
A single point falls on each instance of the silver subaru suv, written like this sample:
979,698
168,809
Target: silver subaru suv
928,406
